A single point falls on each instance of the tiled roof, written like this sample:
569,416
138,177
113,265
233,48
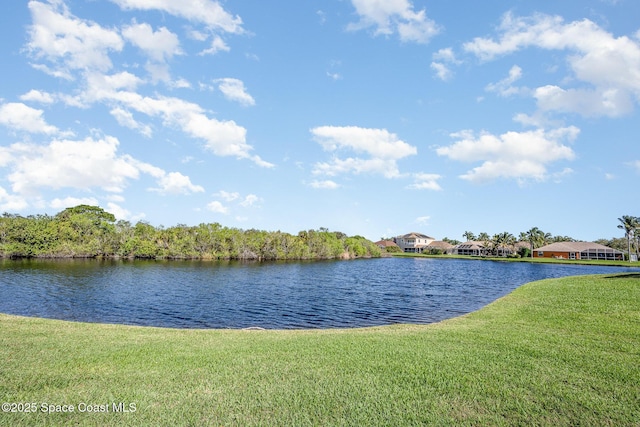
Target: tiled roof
471,245
574,247
414,235
386,243
440,245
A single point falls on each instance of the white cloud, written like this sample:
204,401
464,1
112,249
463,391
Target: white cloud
71,44
83,165
442,71
394,16
505,86
606,68
610,102
115,198
426,181
636,164
217,45
227,196
21,117
38,96
423,220
70,164
160,45
68,42
176,183
181,84
383,148
217,207
234,90
223,138
123,214
247,201
207,12
441,61
250,200
446,55
11,202
326,185
513,155
68,202
125,118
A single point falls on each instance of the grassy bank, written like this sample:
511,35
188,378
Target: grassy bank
555,352
534,260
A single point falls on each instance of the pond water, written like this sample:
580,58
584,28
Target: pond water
282,295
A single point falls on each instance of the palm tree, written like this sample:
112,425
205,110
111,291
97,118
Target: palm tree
503,241
629,224
485,239
469,236
536,238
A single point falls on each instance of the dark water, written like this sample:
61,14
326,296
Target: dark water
329,294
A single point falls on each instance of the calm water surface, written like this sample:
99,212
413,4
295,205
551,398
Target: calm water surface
326,294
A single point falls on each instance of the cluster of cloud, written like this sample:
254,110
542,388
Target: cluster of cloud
604,82
217,206
80,52
605,69
77,49
443,59
394,16
83,165
232,89
382,148
207,12
513,155
377,151
20,117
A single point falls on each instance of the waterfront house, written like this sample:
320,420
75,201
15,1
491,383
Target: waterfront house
476,248
439,246
577,250
384,244
473,248
413,242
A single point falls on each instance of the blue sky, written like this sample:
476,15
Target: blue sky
365,116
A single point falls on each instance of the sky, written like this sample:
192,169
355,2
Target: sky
370,117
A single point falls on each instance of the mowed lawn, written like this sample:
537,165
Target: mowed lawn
555,352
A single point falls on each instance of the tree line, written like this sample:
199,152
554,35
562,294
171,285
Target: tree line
90,231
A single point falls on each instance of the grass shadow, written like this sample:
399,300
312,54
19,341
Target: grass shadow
624,276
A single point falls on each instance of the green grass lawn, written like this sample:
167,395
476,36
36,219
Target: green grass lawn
555,352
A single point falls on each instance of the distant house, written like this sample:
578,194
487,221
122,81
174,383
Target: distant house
476,248
384,244
440,246
413,242
577,250
473,248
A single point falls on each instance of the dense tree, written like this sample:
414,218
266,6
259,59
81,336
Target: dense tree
89,231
